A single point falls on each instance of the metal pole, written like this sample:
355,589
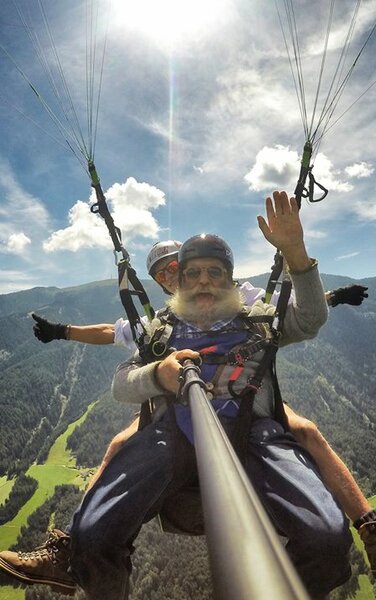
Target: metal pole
248,561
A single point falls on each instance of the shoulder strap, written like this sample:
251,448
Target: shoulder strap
126,274
245,415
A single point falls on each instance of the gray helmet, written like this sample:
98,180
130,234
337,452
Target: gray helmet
206,245
161,250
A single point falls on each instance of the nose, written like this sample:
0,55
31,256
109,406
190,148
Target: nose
204,277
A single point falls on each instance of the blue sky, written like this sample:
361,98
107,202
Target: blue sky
198,122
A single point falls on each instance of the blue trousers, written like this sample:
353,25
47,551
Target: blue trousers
158,461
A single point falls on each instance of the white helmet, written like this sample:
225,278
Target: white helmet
161,250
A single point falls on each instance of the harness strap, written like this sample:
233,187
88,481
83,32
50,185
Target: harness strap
245,414
282,304
234,357
125,272
239,438
279,407
311,189
159,346
301,191
305,167
274,276
249,319
145,415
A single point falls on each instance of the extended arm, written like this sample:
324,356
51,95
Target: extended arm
351,294
92,334
46,331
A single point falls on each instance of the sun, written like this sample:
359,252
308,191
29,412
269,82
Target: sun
170,22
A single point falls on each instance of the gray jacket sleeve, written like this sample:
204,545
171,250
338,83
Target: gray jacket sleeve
309,311
135,382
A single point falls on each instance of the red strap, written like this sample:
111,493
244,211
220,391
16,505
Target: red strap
236,373
209,349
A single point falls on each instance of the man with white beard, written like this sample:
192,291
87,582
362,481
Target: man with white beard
159,461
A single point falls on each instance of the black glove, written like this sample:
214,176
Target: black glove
46,331
351,294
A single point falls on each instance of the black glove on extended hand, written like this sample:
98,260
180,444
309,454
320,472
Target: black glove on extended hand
46,331
351,294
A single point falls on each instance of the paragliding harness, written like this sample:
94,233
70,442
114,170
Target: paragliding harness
237,359
242,355
244,381
268,362
126,273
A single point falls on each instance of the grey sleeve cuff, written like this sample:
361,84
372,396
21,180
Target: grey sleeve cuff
133,383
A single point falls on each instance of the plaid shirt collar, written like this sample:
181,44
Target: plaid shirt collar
183,329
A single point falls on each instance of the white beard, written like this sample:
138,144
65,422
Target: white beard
228,303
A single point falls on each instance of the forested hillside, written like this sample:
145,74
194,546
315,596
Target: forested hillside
332,380
45,387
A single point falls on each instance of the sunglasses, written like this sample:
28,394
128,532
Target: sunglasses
194,273
170,269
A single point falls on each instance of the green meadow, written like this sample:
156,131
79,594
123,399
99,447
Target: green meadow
8,592
60,468
5,488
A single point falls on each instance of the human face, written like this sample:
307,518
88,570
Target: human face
205,279
166,273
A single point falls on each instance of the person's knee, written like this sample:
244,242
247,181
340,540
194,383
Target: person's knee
119,440
304,430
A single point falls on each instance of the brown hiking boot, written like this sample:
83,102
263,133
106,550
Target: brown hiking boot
46,564
367,533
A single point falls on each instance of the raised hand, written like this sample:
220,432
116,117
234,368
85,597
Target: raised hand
283,227
284,230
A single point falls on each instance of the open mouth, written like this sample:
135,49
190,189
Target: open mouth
204,296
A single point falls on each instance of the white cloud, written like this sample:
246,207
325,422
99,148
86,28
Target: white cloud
278,167
85,231
17,242
18,208
233,126
314,234
362,169
130,205
328,176
253,266
12,280
274,167
23,217
256,258
133,193
366,210
345,256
